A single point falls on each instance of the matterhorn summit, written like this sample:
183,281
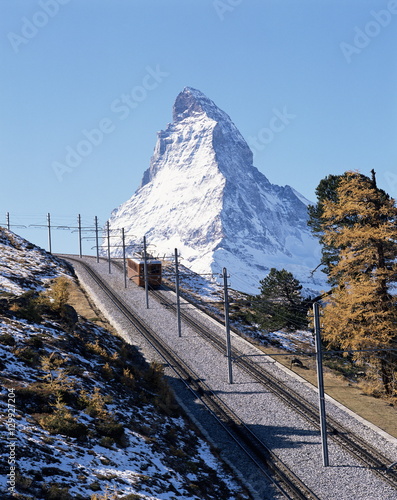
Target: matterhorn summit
203,196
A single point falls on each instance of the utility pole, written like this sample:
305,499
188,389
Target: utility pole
124,261
227,327
8,220
49,232
96,239
178,301
108,232
145,271
320,381
80,243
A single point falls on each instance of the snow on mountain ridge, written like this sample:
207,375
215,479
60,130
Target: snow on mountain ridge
202,195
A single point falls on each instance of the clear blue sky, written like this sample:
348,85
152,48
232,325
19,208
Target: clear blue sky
328,66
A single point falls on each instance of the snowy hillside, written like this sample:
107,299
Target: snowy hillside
203,195
24,266
82,415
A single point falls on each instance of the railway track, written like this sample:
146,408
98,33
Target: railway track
355,445
267,463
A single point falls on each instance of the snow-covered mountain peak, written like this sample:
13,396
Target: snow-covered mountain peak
192,102
199,125
202,195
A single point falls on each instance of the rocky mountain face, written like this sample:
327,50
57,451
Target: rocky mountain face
202,195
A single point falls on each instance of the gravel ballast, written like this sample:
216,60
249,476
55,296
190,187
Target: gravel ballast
283,430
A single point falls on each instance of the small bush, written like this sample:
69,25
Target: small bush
59,424
97,349
74,370
371,387
54,375
54,471
128,378
27,306
56,492
35,397
36,342
154,376
107,372
61,421
95,486
110,428
27,355
166,402
94,404
95,319
22,482
113,496
177,452
107,442
7,339
59,293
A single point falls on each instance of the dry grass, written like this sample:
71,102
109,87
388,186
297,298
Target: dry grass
377,411
86,308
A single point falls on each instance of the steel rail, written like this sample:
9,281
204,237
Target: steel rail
280,475
367,454
345,438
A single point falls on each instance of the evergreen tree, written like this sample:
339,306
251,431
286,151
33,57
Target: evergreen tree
361,314
279,303
327,191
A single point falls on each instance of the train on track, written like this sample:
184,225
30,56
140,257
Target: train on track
136,271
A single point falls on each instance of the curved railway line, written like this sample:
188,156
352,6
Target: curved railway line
352,443
268,464
287,482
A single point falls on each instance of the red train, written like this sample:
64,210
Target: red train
136,273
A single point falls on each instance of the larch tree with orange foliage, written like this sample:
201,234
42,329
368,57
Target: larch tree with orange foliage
360,223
